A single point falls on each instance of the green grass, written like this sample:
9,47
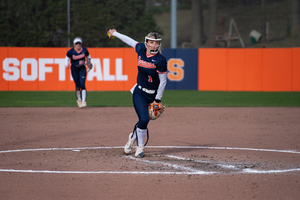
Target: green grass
172,98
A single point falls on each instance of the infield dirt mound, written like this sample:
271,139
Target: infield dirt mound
90,128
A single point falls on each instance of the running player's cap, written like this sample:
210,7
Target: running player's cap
77,40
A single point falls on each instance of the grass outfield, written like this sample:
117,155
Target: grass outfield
172,98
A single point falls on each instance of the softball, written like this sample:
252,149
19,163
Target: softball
110,37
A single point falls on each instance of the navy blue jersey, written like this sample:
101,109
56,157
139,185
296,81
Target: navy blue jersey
78,57
149,67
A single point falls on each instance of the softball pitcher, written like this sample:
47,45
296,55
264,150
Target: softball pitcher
150,86
77,56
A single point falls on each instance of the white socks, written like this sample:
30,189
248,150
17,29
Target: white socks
83,95
141,134
133,139
78,94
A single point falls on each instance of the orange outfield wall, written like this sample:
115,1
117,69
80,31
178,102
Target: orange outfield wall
265,69
42,69
219,69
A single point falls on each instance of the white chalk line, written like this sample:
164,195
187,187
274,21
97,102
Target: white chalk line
217,163
158,147
228,166
188,170
176,167
101,172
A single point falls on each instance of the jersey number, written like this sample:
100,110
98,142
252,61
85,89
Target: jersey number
150,79
81,62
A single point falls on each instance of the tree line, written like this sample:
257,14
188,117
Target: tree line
44,23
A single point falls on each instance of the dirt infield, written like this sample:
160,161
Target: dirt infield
192,153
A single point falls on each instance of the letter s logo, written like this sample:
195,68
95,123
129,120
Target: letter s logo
175,68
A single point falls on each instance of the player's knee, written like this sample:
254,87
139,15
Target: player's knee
143,123
82,84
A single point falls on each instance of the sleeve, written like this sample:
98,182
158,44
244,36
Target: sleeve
162,75
139,47
67,60
131,42
162,66
88,56
87,53
162,85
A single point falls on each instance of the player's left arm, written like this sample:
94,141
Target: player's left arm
162,75
88,62
161,86
88,58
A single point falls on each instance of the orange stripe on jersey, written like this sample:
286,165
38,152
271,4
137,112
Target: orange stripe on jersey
146,66
161,72
151,55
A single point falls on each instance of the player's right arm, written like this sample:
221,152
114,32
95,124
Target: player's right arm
67,61
131,42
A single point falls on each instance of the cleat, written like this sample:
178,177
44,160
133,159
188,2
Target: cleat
139,153
83,104
79,103
128,145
